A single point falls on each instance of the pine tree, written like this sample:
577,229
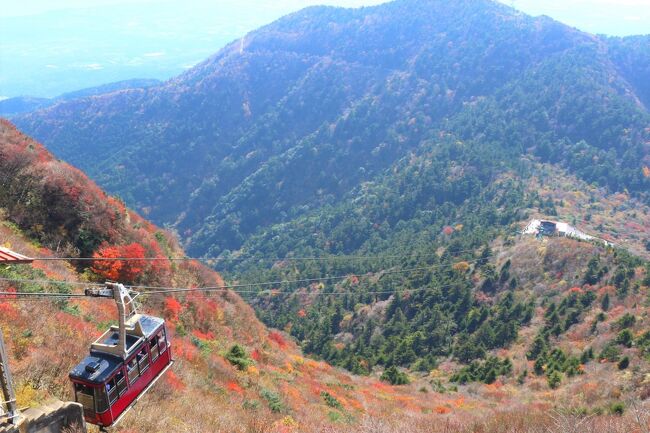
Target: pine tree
604,304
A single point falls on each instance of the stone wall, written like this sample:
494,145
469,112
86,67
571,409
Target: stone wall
56,417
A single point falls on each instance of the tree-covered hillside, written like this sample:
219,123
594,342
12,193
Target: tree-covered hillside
252,379
569,314
373,169
290,118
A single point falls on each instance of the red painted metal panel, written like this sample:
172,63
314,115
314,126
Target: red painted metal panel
121,404
8,256
107,418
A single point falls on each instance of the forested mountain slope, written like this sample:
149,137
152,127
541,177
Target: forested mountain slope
288,120
231,374
539,313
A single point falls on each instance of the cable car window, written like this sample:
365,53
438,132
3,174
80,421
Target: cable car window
121,382
86,396
162,341
143,360
153,348
132,370
101,398
111,389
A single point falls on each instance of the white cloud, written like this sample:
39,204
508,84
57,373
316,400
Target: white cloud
93,66
154,54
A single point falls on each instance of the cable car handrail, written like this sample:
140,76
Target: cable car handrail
127,309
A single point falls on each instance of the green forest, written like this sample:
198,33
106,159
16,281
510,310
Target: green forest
395,146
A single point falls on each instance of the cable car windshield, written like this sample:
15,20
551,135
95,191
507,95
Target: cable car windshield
86,396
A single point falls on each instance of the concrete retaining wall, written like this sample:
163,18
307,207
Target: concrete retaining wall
56,417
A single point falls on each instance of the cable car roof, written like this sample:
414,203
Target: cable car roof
96,368
100,366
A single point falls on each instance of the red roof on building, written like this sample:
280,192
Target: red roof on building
8,256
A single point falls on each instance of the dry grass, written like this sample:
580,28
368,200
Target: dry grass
521,420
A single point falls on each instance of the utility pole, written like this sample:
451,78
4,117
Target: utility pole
8,407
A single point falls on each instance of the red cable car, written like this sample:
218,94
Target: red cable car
124,363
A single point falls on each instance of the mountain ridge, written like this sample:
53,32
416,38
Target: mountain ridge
255,121
24,104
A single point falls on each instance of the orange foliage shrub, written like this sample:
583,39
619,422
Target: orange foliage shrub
292,395
8,311
172,308
203,335
124,271
461,267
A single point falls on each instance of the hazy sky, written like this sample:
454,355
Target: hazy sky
48,47
610,17
29,7
613,17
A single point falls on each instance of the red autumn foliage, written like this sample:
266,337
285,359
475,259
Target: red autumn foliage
205,311
157,271
174,382
448,230
172,308
278,338
9,290
234,387
185,349
8,311
382,387
206,336
124,271
65,203
301,313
